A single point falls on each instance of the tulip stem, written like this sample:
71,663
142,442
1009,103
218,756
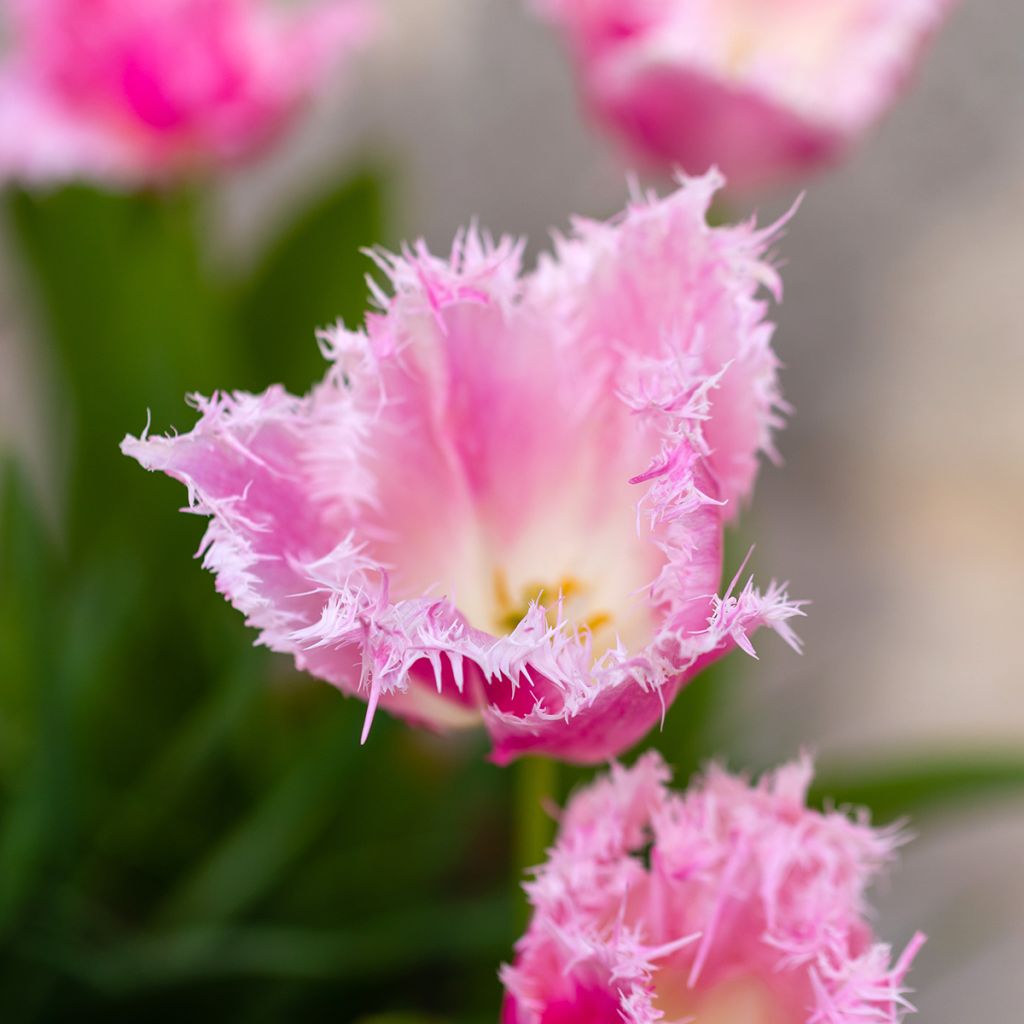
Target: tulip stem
536,779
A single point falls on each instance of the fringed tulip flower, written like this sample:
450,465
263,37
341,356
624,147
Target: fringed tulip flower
135,91
505,502
764,89
727,904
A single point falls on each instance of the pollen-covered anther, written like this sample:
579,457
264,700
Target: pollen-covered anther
565,602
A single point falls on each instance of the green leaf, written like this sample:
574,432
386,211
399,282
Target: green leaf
926,785
312,276
26,627
464,932
258,850
33,711
133,321
192,748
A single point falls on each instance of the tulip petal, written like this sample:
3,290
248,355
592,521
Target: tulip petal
505,502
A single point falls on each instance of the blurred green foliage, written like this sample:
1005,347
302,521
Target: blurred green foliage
189,829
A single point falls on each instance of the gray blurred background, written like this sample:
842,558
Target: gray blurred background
900,510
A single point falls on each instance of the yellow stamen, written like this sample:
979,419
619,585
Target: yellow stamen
741,49
501,592
510,612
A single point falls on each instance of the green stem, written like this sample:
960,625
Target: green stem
536,780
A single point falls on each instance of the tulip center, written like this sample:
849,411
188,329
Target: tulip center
805,33
581,567
739,1000
568,599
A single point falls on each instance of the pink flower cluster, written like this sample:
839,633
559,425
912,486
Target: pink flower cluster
727,904
764,89
125,91
505,502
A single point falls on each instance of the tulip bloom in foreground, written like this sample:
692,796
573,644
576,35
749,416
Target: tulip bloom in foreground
727,904
127,91
765,89
505,501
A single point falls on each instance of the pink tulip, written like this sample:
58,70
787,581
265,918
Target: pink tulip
727,904
505,502
764,89
128,91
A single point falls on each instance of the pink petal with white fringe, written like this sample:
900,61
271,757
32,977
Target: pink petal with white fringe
505,502
726,904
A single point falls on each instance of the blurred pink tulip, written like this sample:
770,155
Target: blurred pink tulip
764,89
130,91
726,904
